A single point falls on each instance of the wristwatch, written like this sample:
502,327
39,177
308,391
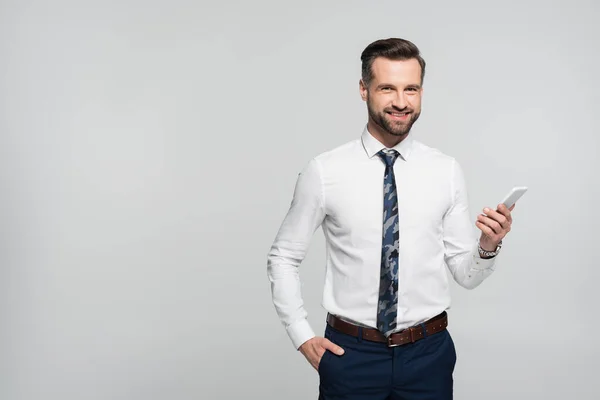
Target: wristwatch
486,253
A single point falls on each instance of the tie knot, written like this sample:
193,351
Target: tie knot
388,156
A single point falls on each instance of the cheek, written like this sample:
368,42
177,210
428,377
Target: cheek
384,101
415,102
376,103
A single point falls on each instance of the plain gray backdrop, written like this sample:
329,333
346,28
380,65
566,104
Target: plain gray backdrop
148,154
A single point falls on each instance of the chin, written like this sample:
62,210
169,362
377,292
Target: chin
404,130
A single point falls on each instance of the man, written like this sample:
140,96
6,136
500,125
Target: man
395,216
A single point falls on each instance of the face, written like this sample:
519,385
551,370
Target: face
394,95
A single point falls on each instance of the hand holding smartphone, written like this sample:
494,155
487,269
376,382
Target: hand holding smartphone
511,198
515,194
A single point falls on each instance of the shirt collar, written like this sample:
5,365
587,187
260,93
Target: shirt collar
372,146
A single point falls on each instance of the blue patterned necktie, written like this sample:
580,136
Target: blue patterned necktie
388,283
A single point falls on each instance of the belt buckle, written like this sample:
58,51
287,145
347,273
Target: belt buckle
389,342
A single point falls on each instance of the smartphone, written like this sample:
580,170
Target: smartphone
515,194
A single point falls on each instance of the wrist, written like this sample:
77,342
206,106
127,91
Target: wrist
487,250
488,245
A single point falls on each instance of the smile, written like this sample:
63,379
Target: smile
399,115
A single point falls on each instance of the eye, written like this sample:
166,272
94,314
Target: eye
386,89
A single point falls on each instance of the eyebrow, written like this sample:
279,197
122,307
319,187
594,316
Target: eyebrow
415,86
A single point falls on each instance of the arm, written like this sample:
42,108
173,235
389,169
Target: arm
305,215
462,256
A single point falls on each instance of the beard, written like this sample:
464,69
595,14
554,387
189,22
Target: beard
394,128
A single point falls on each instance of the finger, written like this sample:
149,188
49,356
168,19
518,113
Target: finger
486,230
506,211
510,209
321,351
502,209
497,217
490,223
334,348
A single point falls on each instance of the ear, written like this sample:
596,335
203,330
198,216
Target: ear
362,89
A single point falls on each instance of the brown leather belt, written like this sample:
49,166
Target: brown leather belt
408,335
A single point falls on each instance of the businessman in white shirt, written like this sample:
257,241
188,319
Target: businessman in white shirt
395,216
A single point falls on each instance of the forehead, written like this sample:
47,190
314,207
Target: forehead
405,72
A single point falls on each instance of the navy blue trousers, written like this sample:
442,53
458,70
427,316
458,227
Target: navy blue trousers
372,371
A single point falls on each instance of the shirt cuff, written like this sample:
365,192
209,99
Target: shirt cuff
299,332
482,263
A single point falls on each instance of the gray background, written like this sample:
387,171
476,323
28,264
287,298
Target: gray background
148,153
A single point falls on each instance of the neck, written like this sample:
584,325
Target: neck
386,138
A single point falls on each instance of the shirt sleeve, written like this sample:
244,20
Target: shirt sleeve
305,215
461,244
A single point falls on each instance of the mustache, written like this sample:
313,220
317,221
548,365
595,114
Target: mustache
398,109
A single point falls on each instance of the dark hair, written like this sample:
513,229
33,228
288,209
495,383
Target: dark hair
393,49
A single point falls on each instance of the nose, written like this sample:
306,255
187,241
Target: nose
400,100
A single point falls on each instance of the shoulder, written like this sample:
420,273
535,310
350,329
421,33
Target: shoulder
432,155
343,152
332,159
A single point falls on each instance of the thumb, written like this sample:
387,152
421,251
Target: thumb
334,348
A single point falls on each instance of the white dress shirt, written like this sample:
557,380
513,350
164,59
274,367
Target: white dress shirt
342,191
